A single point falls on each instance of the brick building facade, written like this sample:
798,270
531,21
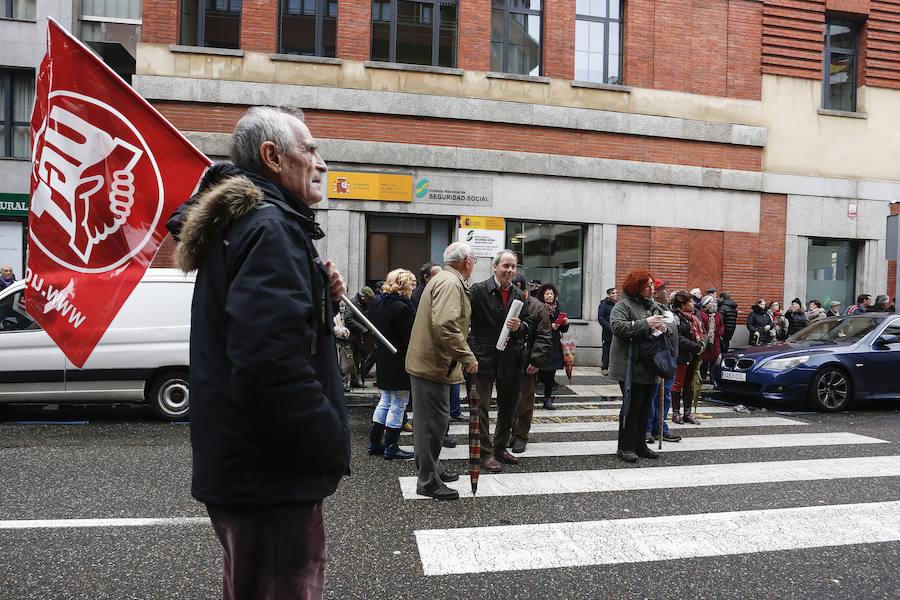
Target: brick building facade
716,146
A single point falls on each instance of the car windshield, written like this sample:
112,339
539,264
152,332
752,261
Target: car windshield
842,330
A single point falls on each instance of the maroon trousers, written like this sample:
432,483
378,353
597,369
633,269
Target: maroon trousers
271,552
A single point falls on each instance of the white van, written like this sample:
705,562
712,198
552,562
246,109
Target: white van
142,357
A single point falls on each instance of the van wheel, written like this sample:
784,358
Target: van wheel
169,396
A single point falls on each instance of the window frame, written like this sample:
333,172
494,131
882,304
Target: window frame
201,24
828,50
508,9
9,9
606,27
7,76
435,32
321,13
577,310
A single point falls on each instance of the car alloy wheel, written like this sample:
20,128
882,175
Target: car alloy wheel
831,389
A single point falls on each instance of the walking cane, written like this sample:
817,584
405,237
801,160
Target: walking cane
662,415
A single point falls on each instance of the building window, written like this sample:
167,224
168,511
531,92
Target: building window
23,10
831,270
418,33
598,41
839,90
309,27
211,23
516,36
16,102
552,253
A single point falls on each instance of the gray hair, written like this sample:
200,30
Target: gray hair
500,254
261,124
458,252
882,299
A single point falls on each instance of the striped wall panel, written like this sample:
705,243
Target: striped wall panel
792,35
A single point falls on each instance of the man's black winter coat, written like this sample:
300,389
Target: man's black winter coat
268,422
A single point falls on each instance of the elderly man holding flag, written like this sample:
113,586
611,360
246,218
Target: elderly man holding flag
269,428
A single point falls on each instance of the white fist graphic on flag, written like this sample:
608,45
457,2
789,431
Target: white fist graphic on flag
72,150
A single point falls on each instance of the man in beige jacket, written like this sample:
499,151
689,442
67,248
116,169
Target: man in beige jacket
437,354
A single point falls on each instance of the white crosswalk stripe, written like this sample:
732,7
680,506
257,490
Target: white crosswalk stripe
552,545
731,423
593,410
615,480
693,444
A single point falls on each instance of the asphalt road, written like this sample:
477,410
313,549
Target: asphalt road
116,463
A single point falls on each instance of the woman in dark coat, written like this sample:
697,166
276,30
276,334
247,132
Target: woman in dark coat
760,325
393,314
559,325
635,317
796,317
690,345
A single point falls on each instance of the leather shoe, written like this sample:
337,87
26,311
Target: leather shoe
627,455
448,476
671,437
440,492
548,404
518,446
448,442
508,458
490,465
646,453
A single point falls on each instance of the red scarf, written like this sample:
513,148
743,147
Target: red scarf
696,326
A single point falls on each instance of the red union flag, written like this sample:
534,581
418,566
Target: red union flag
107,171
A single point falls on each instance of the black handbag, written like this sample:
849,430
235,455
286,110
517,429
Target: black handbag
657,354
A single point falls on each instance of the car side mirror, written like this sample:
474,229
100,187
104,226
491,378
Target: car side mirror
887,339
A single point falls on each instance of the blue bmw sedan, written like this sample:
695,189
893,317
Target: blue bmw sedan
829,363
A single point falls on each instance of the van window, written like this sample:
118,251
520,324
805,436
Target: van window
13,316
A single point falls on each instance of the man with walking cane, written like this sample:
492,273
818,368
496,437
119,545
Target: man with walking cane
435,359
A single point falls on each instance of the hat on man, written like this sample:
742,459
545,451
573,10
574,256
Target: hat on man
834,303
535,283
367,291
711,291
707,299
659,283
796,301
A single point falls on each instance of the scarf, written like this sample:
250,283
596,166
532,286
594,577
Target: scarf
696,326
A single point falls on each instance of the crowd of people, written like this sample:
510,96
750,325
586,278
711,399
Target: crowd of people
446,335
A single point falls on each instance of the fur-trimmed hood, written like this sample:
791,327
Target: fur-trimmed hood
225,195
210,216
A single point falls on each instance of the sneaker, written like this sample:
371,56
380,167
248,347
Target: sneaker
604,372
652,440
548,404
671,437
677,419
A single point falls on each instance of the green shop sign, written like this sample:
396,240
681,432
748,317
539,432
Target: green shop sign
14,205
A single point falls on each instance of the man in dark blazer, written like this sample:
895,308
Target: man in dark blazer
491,300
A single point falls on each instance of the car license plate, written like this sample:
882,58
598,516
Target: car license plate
732,376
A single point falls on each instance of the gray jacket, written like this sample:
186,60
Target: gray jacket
628,319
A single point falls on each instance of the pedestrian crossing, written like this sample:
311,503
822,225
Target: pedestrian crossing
667,537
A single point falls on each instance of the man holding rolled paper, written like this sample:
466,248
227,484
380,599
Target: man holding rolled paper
497,338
